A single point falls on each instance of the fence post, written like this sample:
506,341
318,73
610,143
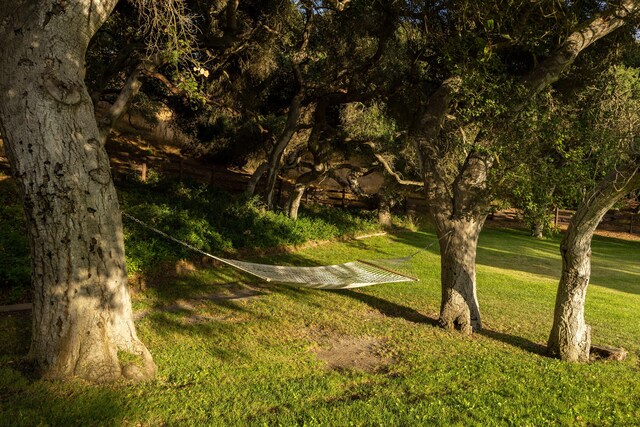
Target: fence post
631,222
555,221
344,192
143,170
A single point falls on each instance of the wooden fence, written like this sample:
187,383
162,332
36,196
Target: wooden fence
235,182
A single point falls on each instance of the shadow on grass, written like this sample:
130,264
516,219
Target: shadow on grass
515,341
25,403
16,333
389,308
60,405
392,309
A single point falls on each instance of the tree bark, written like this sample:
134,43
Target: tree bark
455,192
290,127
129,90
570,337
295,198
459,208
550,70
82,313
459,306
384,210
537,228
255,178
456,195
275,157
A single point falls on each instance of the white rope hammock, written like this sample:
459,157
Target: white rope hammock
353,274
349,275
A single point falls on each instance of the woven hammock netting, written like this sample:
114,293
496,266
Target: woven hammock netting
349,275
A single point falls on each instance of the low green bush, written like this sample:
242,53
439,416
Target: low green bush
216,222
15,270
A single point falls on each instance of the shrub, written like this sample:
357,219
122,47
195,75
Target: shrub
214,221
15,269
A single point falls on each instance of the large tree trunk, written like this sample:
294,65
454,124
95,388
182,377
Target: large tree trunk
81,310
458,207
459,305
570,337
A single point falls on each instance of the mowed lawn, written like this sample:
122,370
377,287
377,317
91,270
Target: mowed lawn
233,351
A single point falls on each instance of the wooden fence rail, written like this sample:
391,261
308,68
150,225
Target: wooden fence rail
236,182
627,219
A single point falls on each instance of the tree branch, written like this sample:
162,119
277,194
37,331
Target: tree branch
389,169
549,70
128,91
176,91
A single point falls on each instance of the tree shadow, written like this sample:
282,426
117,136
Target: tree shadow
21,403
515,341
409,314
16,333
15,274
388,308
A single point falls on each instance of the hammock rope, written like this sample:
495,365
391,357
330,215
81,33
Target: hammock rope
349,275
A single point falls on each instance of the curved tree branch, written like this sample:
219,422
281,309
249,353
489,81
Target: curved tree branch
387,167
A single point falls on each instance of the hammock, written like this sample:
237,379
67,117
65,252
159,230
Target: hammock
353,274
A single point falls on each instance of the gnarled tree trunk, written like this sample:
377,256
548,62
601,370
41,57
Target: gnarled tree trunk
295,198
295,106
456,194
275,157
570,337
255,178
455,191
81,310
459,304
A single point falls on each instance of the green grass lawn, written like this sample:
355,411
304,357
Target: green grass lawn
291,356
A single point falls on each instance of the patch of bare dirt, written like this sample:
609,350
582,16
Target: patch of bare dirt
184,267
618,235
355,353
